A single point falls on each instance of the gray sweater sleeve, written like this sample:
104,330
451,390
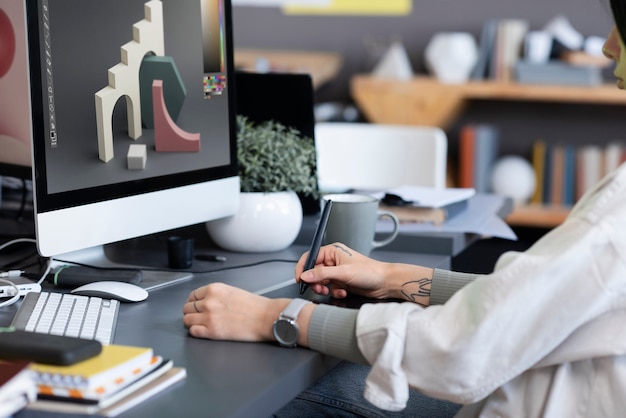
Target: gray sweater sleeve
446,283
332,329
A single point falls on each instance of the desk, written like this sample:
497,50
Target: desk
231,379
225,379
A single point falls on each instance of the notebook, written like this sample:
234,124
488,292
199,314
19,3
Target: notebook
135,393
97,372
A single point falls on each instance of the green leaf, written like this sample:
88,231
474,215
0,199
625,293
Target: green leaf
275,158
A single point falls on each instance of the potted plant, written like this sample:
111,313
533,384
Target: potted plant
275,164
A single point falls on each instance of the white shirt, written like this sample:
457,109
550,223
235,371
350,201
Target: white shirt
542,336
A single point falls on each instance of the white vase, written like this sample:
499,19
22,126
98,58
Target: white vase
265,222
451,56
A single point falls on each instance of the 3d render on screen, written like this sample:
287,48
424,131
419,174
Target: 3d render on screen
132,117
153,89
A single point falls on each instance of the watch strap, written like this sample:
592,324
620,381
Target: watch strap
293,309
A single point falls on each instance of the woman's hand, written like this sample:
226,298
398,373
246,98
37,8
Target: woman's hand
222,312
340,270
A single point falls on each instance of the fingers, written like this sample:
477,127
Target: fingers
328,255
196,294
192,307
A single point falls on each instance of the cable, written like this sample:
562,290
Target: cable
17,241
46,271
11,273
28,240
15,296
258,263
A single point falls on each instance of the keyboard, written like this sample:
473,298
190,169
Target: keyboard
66,314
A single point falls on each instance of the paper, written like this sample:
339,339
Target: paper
429,197
480,217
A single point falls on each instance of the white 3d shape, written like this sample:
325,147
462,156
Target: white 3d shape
148,37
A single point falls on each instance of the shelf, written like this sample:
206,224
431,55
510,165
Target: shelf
425,101
540,216
322,66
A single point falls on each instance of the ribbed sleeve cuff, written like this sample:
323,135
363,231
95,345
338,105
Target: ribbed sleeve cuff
332,331
446,283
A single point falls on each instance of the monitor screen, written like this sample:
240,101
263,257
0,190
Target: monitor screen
15,151
133,118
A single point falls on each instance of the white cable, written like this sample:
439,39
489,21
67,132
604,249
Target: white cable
15,296
17,241
11,273
47,270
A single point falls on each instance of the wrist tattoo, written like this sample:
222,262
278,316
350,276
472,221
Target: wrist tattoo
416,289
344,249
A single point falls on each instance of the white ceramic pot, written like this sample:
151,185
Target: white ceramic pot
265,222
451,56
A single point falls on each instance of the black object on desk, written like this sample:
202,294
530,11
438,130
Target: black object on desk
73,276
46,348
317,242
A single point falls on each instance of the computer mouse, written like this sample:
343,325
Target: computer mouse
122,291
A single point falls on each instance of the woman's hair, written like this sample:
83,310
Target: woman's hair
618,8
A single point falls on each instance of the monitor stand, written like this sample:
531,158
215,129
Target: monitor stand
152,278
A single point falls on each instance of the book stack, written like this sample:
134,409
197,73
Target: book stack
17,387
564,172
501,46
478,150
415,204
108,384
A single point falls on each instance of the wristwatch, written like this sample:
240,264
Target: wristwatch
285,328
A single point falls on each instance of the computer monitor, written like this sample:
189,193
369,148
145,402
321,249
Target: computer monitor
15,150
133,118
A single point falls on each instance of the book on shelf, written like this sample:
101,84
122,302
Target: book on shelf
590,169
478,150
507,48
564,172
569,175
466,156
485,50
538,162
17,387
96,373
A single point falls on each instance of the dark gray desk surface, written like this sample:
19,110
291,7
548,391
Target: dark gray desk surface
230,379
225,379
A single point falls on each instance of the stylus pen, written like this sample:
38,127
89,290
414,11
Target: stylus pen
317,243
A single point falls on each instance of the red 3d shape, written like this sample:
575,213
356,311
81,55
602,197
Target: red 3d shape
167,135
7,43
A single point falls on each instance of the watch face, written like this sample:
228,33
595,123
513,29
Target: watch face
286,332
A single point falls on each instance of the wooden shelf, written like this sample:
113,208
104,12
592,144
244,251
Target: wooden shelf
540,216
322,66
425,101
